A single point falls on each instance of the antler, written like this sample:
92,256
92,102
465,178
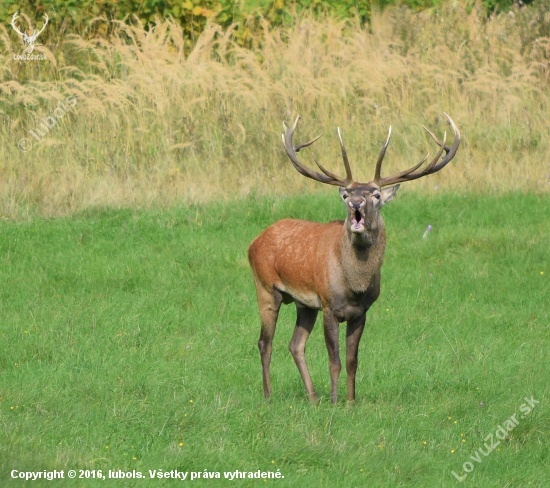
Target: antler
327,176
36,34
432,167
15,15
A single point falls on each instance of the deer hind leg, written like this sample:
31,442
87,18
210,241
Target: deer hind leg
331,340
305,321
353,336
269,304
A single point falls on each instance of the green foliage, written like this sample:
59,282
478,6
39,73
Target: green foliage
534,27
281,11
73,16
192,15
128,341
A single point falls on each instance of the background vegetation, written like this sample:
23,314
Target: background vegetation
128,341
191,15
156,123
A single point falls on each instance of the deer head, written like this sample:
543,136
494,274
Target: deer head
364,200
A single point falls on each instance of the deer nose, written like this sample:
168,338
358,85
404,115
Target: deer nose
356,204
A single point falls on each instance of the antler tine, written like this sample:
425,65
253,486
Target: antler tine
434,165
15,16
306,144
381,157
44,25
402,174
291,150
438,155
349,177
450,153
437,141
324,170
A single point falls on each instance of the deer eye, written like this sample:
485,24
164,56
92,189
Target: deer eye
376,195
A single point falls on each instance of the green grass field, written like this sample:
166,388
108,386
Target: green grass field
128,342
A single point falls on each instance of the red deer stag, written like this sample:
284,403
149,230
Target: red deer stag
332,267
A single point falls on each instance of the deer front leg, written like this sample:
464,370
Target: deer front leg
269,304
353,336
304,324
331,340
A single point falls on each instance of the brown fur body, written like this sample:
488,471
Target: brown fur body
321,267
317,266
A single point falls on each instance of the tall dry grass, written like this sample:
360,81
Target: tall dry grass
153,126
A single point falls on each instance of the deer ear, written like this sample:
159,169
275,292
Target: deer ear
387,194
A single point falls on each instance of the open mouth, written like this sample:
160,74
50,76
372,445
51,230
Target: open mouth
357,221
